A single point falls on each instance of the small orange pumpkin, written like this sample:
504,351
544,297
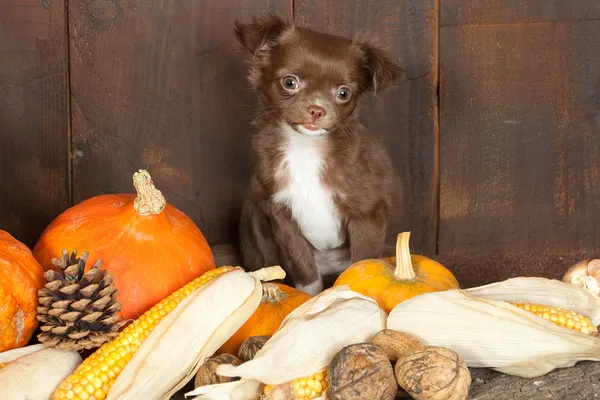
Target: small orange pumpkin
21,276
392,280
151,247
277,302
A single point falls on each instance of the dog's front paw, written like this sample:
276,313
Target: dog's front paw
313,288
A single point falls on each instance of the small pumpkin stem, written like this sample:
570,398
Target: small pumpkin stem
272,293
269,273
149,200
404,268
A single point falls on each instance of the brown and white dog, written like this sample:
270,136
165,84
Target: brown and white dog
321,189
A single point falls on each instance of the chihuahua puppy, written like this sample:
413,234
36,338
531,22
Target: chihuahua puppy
321,189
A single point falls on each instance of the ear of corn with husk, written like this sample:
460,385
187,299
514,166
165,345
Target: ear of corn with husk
487,331
33,372
162,350
550,292
181,342
308,388
303,346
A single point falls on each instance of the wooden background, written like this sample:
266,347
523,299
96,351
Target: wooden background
495,134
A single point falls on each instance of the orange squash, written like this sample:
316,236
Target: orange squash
277,302
21,276
151,247
392,280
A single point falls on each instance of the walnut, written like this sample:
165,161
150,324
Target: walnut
433,373
207,375
361,371
396,343
251,346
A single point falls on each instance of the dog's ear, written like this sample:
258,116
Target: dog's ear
379,69
257,36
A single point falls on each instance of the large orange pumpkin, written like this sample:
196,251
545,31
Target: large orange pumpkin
21,276
392,280
277,302
151,247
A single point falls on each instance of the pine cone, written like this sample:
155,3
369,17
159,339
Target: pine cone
78,310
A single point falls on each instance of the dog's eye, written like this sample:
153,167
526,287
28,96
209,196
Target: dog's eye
290,82
343,94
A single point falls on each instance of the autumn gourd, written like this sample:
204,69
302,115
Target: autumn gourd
20,278
151,247
277,302
392,280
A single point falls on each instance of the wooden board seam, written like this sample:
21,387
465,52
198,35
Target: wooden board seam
69,114
436,125
517,23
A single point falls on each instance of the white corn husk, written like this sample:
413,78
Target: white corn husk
307,340
34,372
10,355
536,290
488,332
192,332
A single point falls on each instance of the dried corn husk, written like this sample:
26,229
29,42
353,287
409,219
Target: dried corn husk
10,355
192,332
34,372
550,292
486,331
307,340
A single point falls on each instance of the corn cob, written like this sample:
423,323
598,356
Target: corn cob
311,387
93,379
559,316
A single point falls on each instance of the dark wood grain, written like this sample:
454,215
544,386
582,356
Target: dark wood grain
519,135
579,382
158,85
481,269
404,117
34,177
482,12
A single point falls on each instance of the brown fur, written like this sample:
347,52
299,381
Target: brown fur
358,170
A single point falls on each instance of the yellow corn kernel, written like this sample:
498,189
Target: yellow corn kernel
94,377
306,388
568,319
2,365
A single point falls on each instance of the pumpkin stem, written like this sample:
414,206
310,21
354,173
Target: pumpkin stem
404,268
269,273
272,294
149,200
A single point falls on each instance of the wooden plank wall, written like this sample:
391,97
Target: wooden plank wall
155,85
495,134
520,127
34,155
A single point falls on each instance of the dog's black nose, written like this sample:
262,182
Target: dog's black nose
316,112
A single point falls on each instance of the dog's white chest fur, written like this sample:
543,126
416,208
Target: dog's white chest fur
310,201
